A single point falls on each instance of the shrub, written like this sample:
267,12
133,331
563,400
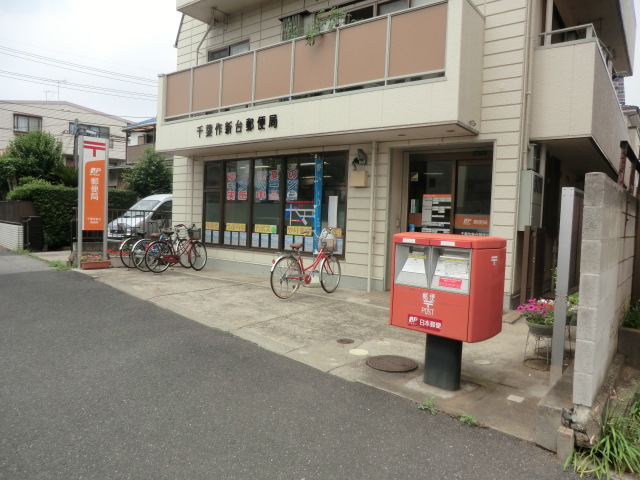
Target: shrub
631,317
55,204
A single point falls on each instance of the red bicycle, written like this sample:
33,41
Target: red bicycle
288,271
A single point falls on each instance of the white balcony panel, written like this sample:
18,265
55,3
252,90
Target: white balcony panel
573,98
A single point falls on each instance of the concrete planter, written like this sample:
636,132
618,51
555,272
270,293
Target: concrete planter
628,341
95,265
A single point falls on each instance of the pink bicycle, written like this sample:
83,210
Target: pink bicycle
288,271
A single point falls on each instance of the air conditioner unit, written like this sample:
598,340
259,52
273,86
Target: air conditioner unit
530,205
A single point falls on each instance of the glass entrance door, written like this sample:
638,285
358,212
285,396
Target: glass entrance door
450,193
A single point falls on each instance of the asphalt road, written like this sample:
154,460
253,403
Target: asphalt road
98,384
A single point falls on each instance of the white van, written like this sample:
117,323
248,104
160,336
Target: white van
147,216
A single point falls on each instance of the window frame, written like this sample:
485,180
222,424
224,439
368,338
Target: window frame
17,116
219,187
226,51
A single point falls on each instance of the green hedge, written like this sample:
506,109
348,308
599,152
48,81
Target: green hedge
56,203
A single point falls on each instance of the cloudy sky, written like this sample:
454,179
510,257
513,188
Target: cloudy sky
107,59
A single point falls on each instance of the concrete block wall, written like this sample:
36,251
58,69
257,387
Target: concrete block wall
609,219
11,235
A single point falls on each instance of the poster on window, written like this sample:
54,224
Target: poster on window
231,185
255,240
292,185
274,185
243,186
260,181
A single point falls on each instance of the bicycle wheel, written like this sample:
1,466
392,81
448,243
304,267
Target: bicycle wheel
137,254
330,273
286,276
182,247
198,255
153,256
125,252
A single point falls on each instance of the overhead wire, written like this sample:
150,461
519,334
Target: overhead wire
89,70
41,107
87,88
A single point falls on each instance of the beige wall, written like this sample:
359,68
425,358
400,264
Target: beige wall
56,117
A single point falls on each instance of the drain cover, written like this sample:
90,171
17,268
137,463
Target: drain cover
392,363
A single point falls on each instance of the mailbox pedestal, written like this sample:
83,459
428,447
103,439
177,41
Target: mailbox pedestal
443,362
451,288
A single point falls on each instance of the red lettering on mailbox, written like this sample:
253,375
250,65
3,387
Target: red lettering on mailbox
424,323
450,282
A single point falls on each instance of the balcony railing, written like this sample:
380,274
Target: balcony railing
573,94
404,46
579,33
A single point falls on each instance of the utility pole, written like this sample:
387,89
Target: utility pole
79,208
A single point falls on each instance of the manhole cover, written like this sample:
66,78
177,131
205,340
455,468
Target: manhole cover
392,363
345,341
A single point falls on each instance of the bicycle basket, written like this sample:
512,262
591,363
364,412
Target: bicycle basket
328,242
195,233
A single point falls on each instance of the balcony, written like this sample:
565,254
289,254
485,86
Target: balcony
360,78
575,110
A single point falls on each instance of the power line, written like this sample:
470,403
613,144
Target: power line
52,62
105,91
76,84
84,112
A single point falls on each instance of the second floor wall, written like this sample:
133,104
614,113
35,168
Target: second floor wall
58,119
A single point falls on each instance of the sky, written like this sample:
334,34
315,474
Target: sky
105,59
108,59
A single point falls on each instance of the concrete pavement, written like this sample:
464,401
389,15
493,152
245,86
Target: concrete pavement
498,387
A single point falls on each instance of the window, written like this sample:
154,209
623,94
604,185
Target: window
450,193
292,26
23,123
228,51
267,203
393,6
90,130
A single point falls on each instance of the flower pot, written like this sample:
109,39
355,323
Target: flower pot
540,330
95,265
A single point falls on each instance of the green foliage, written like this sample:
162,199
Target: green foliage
121,199
631,318
429,405
36,154
468,419
55,204
617,449
65,175
150,176
324,20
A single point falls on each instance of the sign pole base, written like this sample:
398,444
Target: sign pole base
443,362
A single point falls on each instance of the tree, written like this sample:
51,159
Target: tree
149,176
37,154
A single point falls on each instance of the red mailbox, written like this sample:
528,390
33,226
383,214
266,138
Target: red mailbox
450,287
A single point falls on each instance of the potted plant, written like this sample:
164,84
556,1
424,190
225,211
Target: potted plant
572,309
93,261
538,314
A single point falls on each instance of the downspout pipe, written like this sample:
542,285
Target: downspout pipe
372,199
206,34
175,45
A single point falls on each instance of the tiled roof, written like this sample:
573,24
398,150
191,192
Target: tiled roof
149,121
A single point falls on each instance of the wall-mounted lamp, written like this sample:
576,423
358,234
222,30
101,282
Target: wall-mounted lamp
360,159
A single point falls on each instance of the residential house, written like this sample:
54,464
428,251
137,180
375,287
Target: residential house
141,136
458,116
18,117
